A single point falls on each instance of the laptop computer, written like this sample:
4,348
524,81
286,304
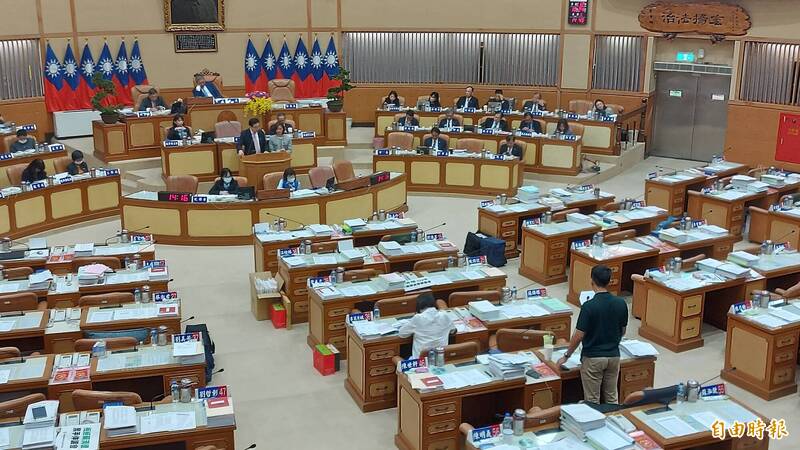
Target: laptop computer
246,193
207,137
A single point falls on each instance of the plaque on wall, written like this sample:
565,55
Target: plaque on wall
195,42
716,19
194,15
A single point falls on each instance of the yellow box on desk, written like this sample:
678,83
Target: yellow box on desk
260,303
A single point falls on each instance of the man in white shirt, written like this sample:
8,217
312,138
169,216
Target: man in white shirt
431,328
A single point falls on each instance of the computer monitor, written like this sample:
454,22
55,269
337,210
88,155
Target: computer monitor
330,184
246,193
422,104
207,137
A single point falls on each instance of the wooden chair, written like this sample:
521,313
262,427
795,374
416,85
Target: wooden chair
109,298
18,406
117,343
791,292
513,340
111,261
272,179
360,274
227,116
61,164
182,183
577,128
611,207
458,299
471,145
84,400
617,109
9,352
639,300
580,106
688,263
398,306
281,90
21,301
537,416
619,236
400,139
324,247
431,264
456,353
343,169
14,173
17,273
320,175
562,215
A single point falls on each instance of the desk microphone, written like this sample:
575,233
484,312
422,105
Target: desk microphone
780,239
251,446
287,219
217,371
714,377
129,232
186,320
157,397
433,228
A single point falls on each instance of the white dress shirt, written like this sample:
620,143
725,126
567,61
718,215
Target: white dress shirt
256,142
430,328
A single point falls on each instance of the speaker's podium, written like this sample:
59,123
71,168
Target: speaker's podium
254,167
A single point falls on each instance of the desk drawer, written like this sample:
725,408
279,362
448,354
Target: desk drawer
508,234
300,291
556,269
508,224
557,245
446,444
381,354
300,306
785,340
737,207
557,256
444,426
692,306
338,341
736,229
511,245
783,356
638,374
336,326
442,409
690,328
723,248
379,371
336,312
556,327
783,375
381,388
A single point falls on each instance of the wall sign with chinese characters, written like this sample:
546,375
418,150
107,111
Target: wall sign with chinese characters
716,19
578,12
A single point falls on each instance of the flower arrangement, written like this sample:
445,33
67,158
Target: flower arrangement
260,103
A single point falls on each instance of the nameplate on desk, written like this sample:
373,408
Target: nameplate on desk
318,281
476,260
109,172
456,129
569,137
236,139
713,390
226,101
38,185
498,157
308,134
141,238
442,153
290,106
435,109
199,199
154,263
469,110
209,392
286,252
172,144
395,215
532,222
484,433
652,175
775,207
6,156
55,148
165,296
412,363
572,116
525,134
541,292
65,180
609,119
537,113
583,188
487,130
485,203
392,108
185,337
141,114
638,204
782,247
580,244
409,128
698,223
741,307
28,127
359,317
384,152
652,270
705,190
434,237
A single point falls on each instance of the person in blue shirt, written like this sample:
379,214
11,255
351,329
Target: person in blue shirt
289,180
205,88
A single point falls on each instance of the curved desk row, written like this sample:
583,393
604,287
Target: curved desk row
57,206
463,175
539,154
232,223
26,158
206,160
598,136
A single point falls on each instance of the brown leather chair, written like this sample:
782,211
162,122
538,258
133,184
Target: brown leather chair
514,340
182,183
140,92
458,117
62,163
84,400
383,97
227,129
9,352
241,181
17,407
227,116
576,128
14,173
17,273
360,274
109,298
210,77
398,306
537,416
400,139
281,90
580,106
21,301
117,343
458,299
272,179
617,109
441,135
111,261
471,145
456,353
324,247
619,236
274,121
320,175
562,215
431,264
343,169
8,140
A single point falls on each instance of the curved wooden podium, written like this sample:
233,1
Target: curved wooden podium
254,167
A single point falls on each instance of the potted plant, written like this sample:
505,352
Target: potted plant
336,93
105,88
260,103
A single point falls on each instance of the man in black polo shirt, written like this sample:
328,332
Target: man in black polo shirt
601,325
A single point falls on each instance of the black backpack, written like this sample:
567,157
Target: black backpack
208,345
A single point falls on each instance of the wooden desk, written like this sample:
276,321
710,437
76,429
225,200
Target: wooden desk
26,158
200,160
296,277
671,191
326,318
254,167
265,246
57,206
145,134
777,226
371,375
61,266
545,249
730,214
761,359
461,175
29,375
232,223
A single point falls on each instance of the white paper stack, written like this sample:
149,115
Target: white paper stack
773,180
91,274
35,438
190,352
321,230
713,230
219,412
609,438
731,271
635,347
673,235
742,258
509,365
552,202
708,265
40,280
84,249
580,418
390,248
742,181
393,280
578,218
120,420
528,194
484,310
355,223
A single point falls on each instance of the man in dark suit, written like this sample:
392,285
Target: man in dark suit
535,104
467,101
435,142
499,98
511,148
281,120
449,121
497,122
205,88
409,120
528,124
253,140
153,101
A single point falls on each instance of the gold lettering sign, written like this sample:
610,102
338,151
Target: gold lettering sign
704,18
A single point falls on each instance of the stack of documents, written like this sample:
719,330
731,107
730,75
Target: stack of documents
355,223
393,280
580,418
84,249
40,280
508,366
528,194
371,328
713,230
91,274
742,181
635,347
320,229
219,412
673,235
773,180
484,310
726,270
165,422
578,218
390,248
120,420
553,203
609,438
742,258
189,352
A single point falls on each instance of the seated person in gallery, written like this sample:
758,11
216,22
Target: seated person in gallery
205,88
496,122
408,120
528,124
467,100
511,148
225,184
435,142
449,121
280,141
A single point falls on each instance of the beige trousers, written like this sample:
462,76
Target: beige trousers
600,374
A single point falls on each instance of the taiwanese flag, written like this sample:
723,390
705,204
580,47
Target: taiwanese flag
86,87
303,80
269,63
285,63
331,66
254,79
122,77
106,65
317,70
138,74
54,82
72,77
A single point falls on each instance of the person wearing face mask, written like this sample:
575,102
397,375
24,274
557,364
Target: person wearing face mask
23,142
289,180
34,172
600,109
78,165
178,131
280,140
225,184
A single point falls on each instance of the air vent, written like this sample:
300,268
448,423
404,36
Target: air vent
692,68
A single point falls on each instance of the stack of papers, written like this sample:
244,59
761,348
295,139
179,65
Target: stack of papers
742,258
464,378
219,412
38,438
390,248
713,230
320,229
484,310
580,418
609,438
521,310
120,420
367,328
40,280
528,194
189,352
84,249
355,223
91,274
635,347
673,235
508,366
171,421
573,362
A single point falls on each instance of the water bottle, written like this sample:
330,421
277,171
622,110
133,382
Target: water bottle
153,337
508,423
175,391
597,239
681,396
376,312
513,292
683,223
519,422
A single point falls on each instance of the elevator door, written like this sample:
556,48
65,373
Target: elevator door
691,115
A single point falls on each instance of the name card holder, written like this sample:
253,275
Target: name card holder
525,134
6,156
154,264
442,153
572,116
199,199
435,109
172,144
308,134
434,237
28,127
291,106
652,175
412,364
741,307
485,433
392,108
65,180
185,337
409,128
487,130
469,109
286,252
382,152
111,172
713,390
55,148
541,292
609,118
165,296
476,260
485,203
570,137
456,129
498,157
142,114
395,215
537,113
38,185
359,317
210,392
580,244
